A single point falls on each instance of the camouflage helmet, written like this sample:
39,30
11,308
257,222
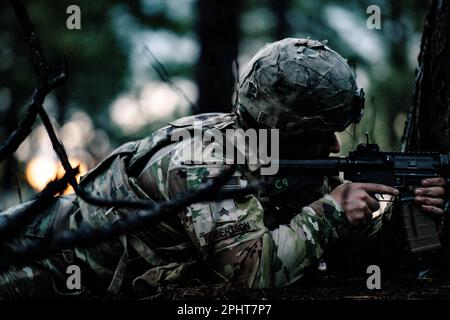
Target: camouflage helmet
298,86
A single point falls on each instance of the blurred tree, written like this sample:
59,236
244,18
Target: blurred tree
428,125
218,36
280,9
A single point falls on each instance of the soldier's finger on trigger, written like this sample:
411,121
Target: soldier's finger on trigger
379,188
372,203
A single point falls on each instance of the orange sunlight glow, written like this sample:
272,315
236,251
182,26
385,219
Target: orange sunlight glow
41,170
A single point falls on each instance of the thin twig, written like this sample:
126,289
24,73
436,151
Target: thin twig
165,76
19,191
16,138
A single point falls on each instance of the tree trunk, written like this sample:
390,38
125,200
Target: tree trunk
428,123
218,35
280,9
427,127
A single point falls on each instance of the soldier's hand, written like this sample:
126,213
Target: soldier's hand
357,200
431,195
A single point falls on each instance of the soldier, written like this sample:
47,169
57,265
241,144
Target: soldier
300,87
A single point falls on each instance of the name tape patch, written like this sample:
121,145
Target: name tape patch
227,232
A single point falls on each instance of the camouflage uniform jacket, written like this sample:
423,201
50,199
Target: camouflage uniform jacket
226,240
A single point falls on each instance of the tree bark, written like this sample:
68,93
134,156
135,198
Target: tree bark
427,127
428,122
218,35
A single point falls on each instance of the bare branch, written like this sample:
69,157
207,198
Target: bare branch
11,220
86,235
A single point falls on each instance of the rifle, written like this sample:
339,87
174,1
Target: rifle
401,170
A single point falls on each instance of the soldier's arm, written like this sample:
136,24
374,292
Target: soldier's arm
296,246
382,240
235,243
